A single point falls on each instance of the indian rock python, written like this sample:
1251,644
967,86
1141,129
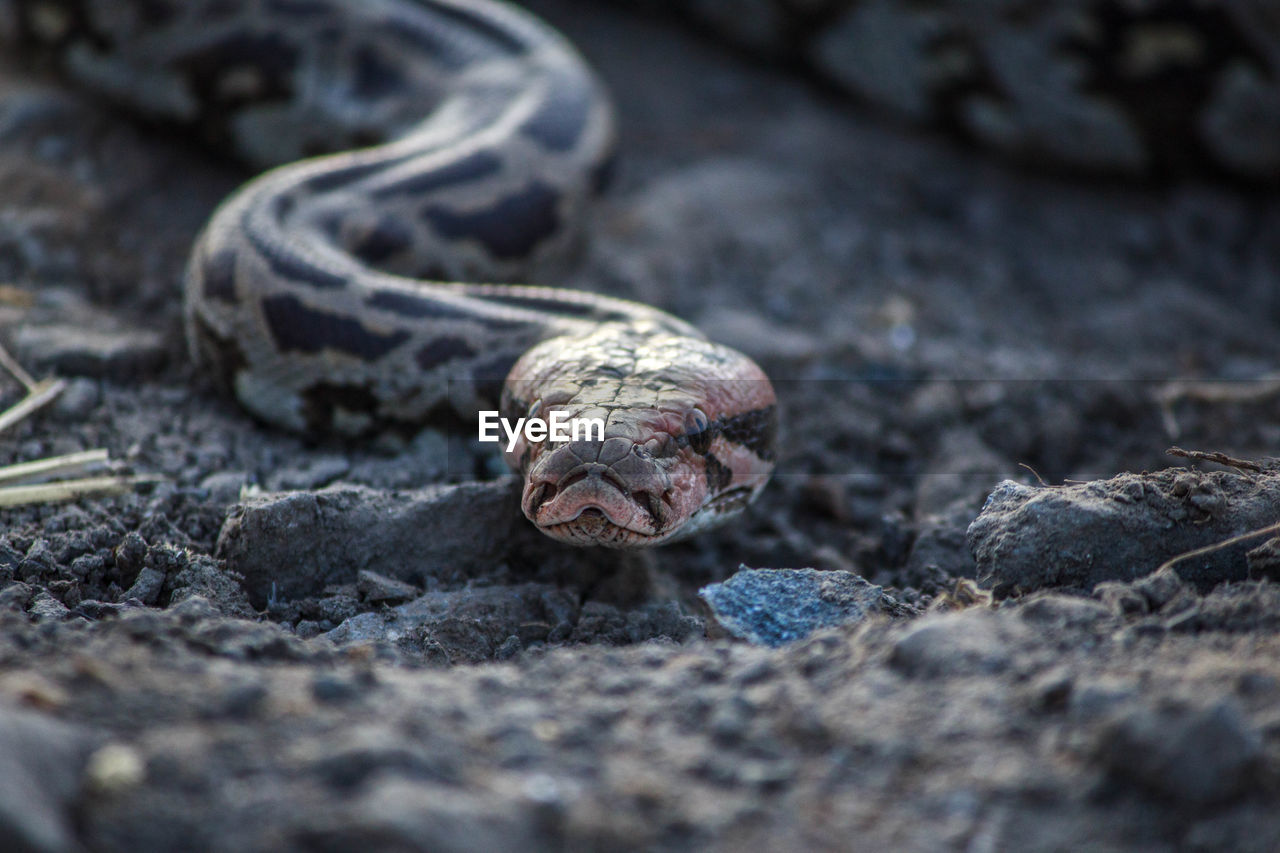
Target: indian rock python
1147,89
326,293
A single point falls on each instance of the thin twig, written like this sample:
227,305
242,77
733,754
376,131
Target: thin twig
1215,456
72,463
1212,392
10,364
1218,546
1034,473
1220,390
67,490
40,395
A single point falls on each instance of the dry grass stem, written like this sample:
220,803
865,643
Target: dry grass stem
1218,546
1218,457
54,466
38,396
67,490
1212,392
10,364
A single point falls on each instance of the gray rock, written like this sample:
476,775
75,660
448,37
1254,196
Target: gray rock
147,586
363,628
773,607
375,588
16,596
40,765
299,543
39,561
1160,588
46,608
967,642
225,486
210,585
317,472
1121,529
1145,595
465,625
130,552
84,566
307,628
10,557
1196,754
1264,561
510,647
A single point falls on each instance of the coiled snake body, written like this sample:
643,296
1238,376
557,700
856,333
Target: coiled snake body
326,294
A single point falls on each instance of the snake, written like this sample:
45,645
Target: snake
421,157
1131,90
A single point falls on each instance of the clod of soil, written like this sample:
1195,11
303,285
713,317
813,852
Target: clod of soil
1120,529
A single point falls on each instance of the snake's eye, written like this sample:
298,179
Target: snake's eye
695,422
697,432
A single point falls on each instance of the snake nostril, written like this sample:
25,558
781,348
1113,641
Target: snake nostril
541,495
659,506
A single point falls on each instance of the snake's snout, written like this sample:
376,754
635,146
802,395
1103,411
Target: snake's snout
598,493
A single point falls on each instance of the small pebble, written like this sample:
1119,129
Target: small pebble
379,589
224,486
509,648
773,607
315,474
114,769
147,586
46,608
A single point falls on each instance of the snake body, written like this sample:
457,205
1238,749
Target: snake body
328,294
1147,89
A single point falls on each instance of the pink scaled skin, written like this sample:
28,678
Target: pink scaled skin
687,440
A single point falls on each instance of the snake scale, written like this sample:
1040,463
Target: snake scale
330,294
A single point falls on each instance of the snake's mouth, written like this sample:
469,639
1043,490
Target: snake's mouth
593,528
591,505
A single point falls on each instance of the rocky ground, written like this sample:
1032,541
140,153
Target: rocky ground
284,646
